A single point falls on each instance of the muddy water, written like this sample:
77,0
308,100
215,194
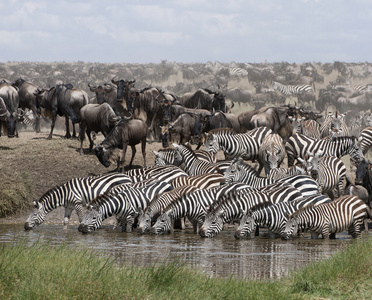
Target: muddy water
257,258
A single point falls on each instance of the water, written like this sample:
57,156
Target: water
222,256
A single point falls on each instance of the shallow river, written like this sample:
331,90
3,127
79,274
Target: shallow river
256,258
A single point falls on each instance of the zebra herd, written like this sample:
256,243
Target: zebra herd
192,184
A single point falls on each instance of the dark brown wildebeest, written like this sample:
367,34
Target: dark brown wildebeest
10,98
221,120
8,118
27,99
204,99
97,118
123,134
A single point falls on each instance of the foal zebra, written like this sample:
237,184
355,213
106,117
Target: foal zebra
273,216
73,195
234,145
124,205
299,145
345,213
290,90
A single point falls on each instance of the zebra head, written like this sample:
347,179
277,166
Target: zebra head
247,225
159,161
144,221
36,217
290,229
273,158
92,220
213,224
233,172
163,224
211,143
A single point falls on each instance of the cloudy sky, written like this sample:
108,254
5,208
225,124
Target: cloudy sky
143,31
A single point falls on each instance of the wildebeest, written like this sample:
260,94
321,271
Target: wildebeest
11,102
27,98
69,102
8,118
123,88
123,134
221,120
363,176
97,118
205,99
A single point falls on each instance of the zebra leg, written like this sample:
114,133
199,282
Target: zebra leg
68,211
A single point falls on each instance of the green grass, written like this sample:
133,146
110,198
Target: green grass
41,271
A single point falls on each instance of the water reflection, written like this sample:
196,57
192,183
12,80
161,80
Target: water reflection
222,256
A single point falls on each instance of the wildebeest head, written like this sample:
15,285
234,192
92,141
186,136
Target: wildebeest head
362,171
103,155
99,91
124,87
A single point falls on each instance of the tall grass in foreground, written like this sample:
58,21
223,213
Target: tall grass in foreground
45,272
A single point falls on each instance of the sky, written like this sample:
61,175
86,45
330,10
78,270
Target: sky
186,31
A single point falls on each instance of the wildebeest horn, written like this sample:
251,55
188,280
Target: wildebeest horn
128,118
113,81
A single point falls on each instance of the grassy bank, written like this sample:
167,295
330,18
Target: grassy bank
45,272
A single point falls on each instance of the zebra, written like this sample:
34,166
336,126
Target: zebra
334,121
158,203
73,195
234,145
239,72
328,171
365,137
193,165
203,181
299,145
280,173
344,213
310,128
232,205
273,216
192,205
239,171
290,90
164,173
271,153
124,205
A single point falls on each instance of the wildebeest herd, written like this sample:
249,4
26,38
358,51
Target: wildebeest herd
314,191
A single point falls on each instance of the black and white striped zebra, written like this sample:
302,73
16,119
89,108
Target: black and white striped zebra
234,145
193,165
271,153
73,195
328,171
158,204
239,171
203,181
290,90
345,213
280,173
310,128
231,206
335,122
365,137
273,216
239,72
299,145
125,205
193,206
164,173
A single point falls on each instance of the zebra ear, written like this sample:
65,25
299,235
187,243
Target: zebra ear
156,153
301,160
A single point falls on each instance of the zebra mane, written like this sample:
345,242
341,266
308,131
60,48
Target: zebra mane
225,130
301,210
168,149
48,192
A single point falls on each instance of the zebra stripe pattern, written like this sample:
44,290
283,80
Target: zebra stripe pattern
365,137
193,165
280,173
239,72
242,172
345,213
334,122
73,195
310,128
232,206
163,173
124,205
274,216
290,90
204,181
271,153
299,145
234,145
157,205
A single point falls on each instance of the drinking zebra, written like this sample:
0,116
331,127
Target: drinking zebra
299,145
273,216
345,213
73,195
239,171
124,205
290,90
328,171
234,145
193,206
231,206
158,203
